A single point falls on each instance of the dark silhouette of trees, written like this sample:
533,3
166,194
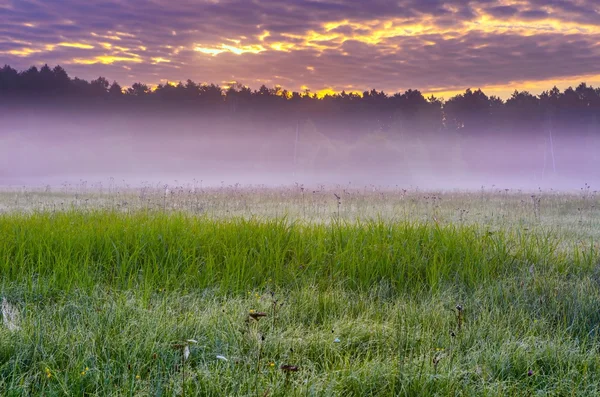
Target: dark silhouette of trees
79,88
9,80
470,114
61,80
99,87
523,112
138,89
115,90
415,113
30,82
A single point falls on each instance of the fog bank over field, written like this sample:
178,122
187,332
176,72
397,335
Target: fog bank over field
39,148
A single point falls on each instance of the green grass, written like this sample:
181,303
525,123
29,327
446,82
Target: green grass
361,307
149,250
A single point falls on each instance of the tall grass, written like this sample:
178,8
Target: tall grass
359,308
144,250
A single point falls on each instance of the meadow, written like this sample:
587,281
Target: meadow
256,291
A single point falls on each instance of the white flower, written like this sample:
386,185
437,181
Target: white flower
336,340
186,352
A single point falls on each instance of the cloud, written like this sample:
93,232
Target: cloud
534,14
432,45
502,11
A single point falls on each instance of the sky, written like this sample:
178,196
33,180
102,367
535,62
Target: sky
437,46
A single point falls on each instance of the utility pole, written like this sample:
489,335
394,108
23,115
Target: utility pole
549,127
296,148
552,148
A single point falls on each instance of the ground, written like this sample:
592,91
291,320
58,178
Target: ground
292,291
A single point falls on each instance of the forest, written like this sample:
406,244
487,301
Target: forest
373,137
570,111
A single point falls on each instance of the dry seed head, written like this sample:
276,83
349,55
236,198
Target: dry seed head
257,315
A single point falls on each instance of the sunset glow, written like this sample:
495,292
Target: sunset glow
501,47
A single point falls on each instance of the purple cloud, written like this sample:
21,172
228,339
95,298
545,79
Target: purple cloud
425,44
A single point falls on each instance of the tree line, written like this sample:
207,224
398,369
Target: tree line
471,113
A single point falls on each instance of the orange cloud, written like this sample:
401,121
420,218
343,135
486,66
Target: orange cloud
235,49
105,60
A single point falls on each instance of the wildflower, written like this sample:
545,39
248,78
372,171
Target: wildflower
336,340
138,377
271,364
82,373
530,373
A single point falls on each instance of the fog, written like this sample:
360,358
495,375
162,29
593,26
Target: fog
40,148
